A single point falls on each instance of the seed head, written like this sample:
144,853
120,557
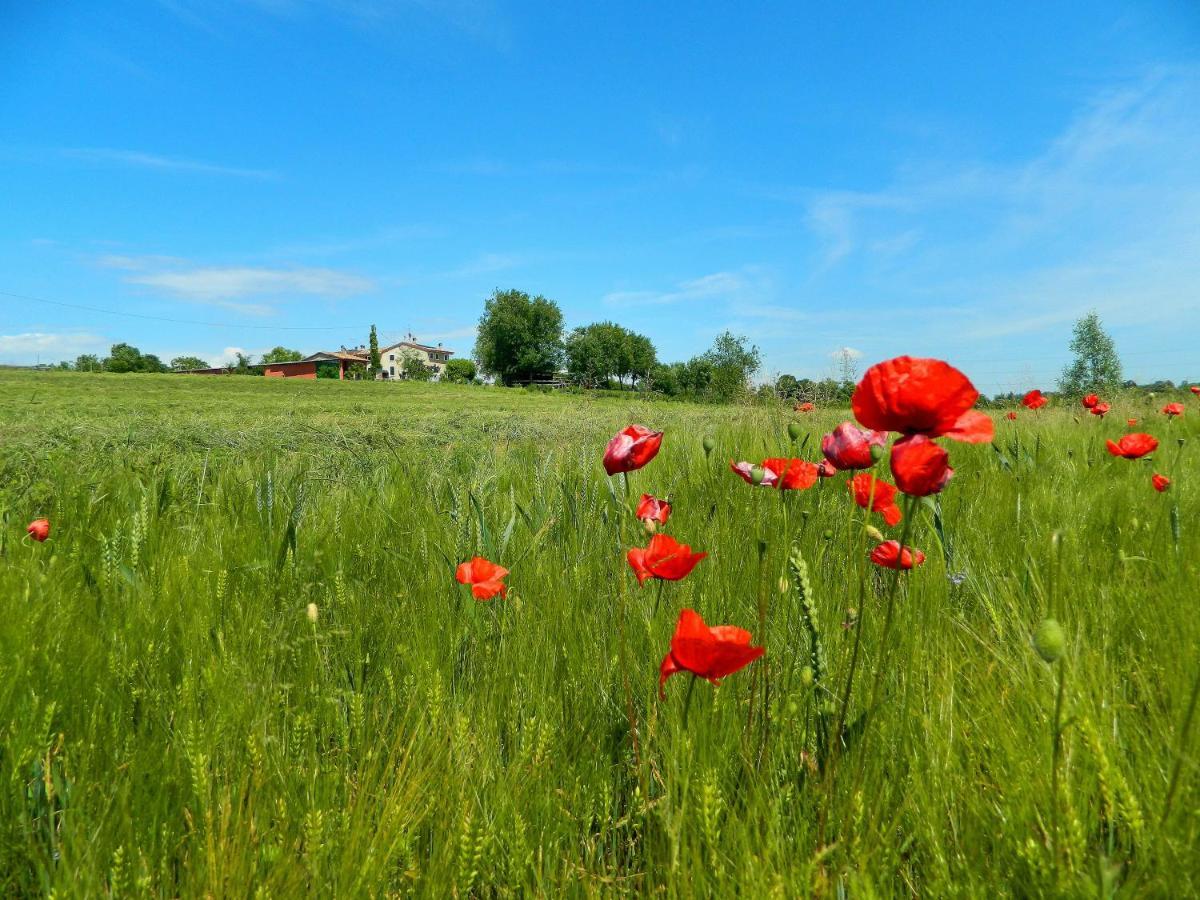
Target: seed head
1049,640
312,613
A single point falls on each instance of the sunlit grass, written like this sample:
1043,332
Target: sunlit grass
172,722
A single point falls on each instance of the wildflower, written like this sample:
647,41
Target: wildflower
804,407
920,396
1132,446
867,489
890,556
709,652
651,509
631,449
1035,399
791,474
665,558
39,529
748,472
1160,482
920,466
1195,389
826,469
849,447
1173,409
957,579
486,578
1100,409
1090,401
1011,416
1131,422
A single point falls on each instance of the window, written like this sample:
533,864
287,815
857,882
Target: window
393,368
392,358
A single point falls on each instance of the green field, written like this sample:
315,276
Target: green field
172,723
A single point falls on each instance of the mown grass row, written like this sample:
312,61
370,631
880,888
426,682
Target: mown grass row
172,722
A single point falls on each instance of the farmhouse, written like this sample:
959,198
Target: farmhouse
308,367
433,358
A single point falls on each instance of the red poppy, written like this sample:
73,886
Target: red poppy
1100,409
866,488
1035,399
1160,482
1133,446
920,466
651,509
1131,422
485,578
709,652
826,469
1173,409
1011,416
803,407
745,471
850,447
920,396
39,529
631,449
665,558
890,556
1195,389
1090,400
791,474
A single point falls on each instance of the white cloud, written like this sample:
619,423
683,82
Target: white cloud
141,160
21,349
845,353
223,284
718,285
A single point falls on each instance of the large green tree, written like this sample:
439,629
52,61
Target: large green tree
281,354
520,337
88,362
123,358
734,362
604,350
1095,366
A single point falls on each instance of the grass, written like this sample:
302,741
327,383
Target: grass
172,723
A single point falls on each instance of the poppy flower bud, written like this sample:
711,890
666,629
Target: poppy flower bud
757,474
806,676
39,529
794,430
312,613
877,451
827,534
708,443
1049,640
875,534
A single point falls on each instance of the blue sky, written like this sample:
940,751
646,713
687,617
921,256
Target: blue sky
954,179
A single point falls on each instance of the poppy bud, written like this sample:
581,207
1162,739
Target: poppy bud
757,474
875,534
827,534
806,676
783,584
708,443
312,613
794,430
877,451
1049,640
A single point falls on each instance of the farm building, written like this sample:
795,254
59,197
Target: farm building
393,357
308,367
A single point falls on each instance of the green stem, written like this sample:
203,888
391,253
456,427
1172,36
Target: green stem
687,701
1184,732
1055,757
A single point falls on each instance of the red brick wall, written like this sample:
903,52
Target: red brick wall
291,370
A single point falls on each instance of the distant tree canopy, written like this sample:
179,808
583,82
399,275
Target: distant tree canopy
414,368
88,362
183,363
127,358
281,354
1095,366
604,350
721,374
520,337
459,370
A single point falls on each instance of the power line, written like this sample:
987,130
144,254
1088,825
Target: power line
117,312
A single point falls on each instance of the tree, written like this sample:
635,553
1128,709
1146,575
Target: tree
243,361
281,354
150,363
183,363
787,387
1096,366
414,369
519,336
123,358
88,362
459,371
733,364
375,362
604,350
357,371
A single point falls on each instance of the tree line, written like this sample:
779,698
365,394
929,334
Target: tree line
522,340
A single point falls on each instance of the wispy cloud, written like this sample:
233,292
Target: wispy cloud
228,283
715,286
142,160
